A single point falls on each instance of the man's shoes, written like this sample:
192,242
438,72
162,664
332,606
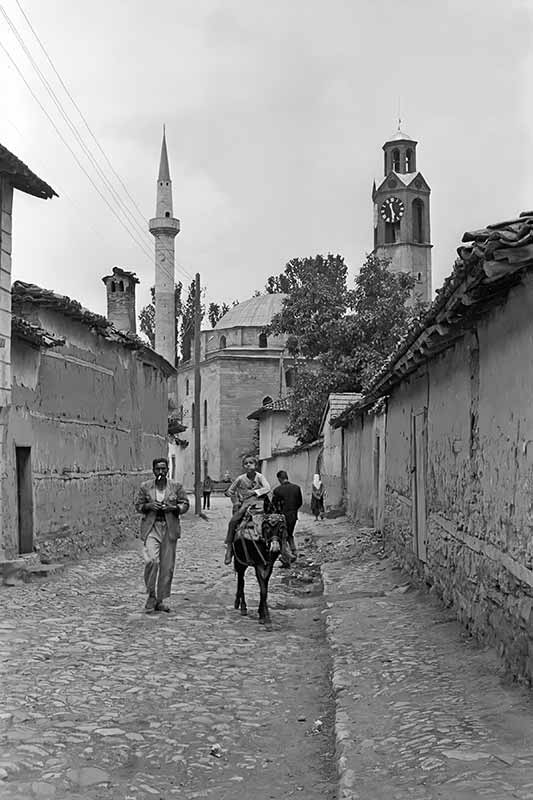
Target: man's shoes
151,604
162,607
229,554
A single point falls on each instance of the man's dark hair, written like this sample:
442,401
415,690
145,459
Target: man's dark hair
161,460
282,475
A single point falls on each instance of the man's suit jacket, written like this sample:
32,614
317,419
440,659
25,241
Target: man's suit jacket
174,495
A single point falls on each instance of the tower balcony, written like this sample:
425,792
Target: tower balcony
167,225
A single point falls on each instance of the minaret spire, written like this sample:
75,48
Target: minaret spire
164,228
164,171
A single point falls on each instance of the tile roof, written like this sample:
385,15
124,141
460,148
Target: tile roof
24,295
336,403
23,329
281,404
491,261
21,176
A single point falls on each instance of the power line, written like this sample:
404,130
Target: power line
67,145
92,160
89,129
115,196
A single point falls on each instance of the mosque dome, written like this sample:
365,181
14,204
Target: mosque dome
257,312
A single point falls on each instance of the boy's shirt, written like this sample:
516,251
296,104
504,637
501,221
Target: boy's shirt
243,484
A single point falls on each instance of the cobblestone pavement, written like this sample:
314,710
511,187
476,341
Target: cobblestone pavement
99,700
422,712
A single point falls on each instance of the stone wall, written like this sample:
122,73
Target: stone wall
94,415
478,478
6,205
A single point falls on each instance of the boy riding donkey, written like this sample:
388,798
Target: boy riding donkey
245,493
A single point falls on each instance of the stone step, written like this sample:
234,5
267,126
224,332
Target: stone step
22,570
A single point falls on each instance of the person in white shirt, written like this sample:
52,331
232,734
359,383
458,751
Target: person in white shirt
244,493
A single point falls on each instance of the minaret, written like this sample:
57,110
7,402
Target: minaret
164,227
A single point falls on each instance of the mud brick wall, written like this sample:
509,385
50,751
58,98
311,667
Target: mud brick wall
94,415
478,478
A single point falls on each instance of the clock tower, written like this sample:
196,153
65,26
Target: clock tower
401,214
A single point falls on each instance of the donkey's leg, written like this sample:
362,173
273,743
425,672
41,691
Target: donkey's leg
263,574
240,600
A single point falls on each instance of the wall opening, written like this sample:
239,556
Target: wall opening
266,400
409,160
187,386
24,499
396,160
113,286
121,286
263,341
222,343
172,468
167,213
289,378
418,221
205,413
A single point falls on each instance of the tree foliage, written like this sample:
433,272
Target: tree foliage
147,316
215,312
344,335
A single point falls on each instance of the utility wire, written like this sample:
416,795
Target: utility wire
132,220
121,204
89,129
67,145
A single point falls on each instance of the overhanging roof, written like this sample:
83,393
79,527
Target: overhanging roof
490,263
24,295
282,404
21,176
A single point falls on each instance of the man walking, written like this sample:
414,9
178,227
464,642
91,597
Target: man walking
160,501
291,499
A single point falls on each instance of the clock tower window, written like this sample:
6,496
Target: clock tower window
396,160
418,221
392,232
409,160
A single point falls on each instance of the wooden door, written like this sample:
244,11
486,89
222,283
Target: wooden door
24,499
418,472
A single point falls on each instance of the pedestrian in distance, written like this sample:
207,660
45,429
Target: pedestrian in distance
317,498
244,493
207,488
290,496
161,502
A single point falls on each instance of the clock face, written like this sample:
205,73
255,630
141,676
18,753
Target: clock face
392,209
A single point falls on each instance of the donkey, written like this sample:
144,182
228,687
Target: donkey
258,543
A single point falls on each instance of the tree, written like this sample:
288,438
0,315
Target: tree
147,316
187,322
317,298
345,335
216,312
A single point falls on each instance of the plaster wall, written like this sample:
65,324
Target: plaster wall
332,466
479,479
273,435
94,416
359,443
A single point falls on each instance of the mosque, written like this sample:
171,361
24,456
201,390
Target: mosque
241,367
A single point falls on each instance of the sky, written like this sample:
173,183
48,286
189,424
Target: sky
275,115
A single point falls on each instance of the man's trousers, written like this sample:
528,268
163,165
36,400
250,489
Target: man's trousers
159,558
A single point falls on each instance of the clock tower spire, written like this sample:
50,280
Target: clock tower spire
401,214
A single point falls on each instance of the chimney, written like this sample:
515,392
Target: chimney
120,288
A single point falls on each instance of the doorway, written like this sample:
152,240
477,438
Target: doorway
24,499
418,472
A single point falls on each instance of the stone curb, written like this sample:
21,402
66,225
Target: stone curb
339,681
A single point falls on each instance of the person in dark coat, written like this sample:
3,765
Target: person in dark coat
290,496
207,488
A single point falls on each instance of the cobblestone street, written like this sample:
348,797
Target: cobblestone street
100,700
